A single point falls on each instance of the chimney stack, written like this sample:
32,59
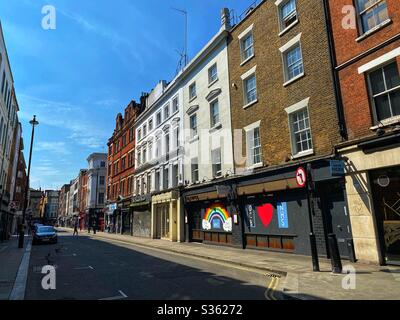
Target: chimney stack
225,19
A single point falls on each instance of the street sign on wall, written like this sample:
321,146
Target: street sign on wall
337,168
301,177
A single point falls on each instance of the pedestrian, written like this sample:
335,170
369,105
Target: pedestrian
76,227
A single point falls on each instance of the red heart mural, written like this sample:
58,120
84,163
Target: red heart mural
266,212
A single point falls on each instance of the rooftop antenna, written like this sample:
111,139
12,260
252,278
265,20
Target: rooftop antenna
185,50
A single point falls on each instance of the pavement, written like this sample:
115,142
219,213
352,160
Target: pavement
292,273
13,265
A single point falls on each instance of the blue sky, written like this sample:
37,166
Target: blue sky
102,55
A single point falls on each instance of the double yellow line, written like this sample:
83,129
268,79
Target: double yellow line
271,288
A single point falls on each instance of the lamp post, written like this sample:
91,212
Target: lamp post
34,123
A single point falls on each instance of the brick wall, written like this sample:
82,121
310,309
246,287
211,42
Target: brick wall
354,87
273,97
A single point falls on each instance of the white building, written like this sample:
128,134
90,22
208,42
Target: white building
207,117
96,187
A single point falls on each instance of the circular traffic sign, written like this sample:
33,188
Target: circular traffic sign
301,177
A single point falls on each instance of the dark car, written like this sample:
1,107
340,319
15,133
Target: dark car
45,234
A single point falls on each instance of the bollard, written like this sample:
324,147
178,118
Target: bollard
314,253
334,253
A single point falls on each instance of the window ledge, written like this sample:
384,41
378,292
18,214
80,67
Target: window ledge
192,99
194,139
250,104
255,166
288,28
303,154
301,75
216,127
386,123
247,60
374,29
213,82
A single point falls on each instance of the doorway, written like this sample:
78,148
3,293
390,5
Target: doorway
336,217
163,221
386,196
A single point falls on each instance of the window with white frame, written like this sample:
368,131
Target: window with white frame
139,134
195,169
158,147
287,13
158,118
193,125
253,142
175,104
216,162
157,180
176,137
167,143
247,46
214,113
151,124
213,73
166,178
371,13
250,89
192,91
300,131
144,130
384,86
166,112
150,151
139,158
293,62
144,153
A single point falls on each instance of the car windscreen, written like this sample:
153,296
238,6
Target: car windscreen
45,229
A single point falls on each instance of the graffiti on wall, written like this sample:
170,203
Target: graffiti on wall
217,218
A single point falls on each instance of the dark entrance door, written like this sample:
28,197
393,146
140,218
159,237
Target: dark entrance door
195,229
336,216
386,195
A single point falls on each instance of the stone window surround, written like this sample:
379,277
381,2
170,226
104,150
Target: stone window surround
287,46
290,110
240,37
245,76
278,4
247,129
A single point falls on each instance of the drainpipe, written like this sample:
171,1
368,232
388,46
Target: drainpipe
336,82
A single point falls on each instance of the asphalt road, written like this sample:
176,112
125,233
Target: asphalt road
91,269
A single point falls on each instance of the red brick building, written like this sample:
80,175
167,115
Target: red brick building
121,168
366,46
82,197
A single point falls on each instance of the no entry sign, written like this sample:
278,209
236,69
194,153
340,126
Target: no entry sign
301,177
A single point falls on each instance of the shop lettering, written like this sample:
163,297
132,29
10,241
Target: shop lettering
167,310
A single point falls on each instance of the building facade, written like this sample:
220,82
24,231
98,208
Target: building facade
8,122
96,189
285,128
51,206
63,204
366,44
120,172
35,197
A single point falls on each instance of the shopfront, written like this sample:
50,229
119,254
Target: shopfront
210,216
372,184
140,209
166,216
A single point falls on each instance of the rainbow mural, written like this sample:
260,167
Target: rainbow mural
217,217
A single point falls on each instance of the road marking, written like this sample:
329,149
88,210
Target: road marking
120,297
18,291
84,268
271,288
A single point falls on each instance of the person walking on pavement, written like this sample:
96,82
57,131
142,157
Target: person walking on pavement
76,227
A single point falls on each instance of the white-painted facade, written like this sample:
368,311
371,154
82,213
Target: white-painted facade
96,187
158,153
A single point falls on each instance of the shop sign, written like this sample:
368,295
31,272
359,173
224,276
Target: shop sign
283,215
337,168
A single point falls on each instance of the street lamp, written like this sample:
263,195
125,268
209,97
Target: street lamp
33,123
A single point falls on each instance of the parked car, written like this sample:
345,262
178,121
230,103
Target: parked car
45,234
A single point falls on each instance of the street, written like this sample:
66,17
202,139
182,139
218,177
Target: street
90,269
